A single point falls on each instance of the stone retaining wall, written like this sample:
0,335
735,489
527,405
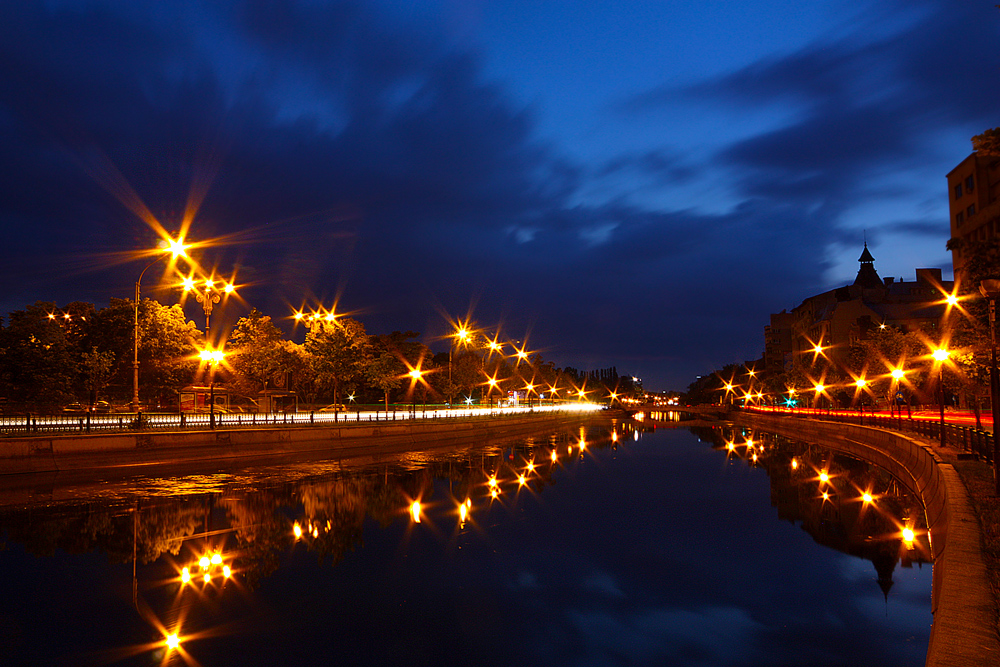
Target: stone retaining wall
245,445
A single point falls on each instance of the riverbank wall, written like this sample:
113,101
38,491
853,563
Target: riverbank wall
965,628
247,446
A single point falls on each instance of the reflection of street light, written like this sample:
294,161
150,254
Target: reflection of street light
212,358
940,355
990,288
175,249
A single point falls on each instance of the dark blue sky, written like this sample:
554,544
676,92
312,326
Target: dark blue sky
634,184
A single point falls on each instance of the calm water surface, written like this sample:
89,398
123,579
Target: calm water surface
655,548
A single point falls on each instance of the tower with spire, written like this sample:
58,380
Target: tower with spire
868,277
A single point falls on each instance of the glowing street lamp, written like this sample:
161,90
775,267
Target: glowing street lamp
213,358
207,293
940,356
168,247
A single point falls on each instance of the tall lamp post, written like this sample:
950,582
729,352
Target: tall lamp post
461,334
175,249
990,288
940,355
212,358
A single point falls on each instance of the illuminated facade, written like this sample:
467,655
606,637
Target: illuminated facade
838,319
974,202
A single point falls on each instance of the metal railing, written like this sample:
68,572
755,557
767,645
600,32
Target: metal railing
973,441
32,425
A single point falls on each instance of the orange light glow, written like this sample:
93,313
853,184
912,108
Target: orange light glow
824,477
185,575
415,511
204,562
908,535
897,373
867,497
172,641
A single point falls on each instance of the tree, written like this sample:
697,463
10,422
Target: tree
38,366
95,367
256,353
386,373
987,143
337,352
168,346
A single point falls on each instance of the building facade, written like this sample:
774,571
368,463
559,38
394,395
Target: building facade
838,319
973,203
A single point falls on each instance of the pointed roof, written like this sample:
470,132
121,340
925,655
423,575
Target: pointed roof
868,277
866,256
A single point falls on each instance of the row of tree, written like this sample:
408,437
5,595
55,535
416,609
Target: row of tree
51,356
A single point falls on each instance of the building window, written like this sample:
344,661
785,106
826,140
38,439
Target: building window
971,211
959,219
970,184
958,191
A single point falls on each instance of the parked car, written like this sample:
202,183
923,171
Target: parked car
75,408
334,407
102,407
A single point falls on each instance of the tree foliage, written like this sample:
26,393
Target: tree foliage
987,143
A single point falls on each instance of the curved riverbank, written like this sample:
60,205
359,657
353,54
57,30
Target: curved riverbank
143,450
965,613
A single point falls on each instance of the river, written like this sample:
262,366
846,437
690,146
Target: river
635,546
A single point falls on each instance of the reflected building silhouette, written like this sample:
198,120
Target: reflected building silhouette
834,513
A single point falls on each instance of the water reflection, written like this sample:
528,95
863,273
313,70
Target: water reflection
199,547
844,503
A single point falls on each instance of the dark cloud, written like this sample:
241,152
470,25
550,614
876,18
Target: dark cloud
343,152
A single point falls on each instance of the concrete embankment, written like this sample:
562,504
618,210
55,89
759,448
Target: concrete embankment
146,449
965,620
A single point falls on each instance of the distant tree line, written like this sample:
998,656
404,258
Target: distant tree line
51,356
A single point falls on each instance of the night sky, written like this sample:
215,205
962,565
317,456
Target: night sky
632,184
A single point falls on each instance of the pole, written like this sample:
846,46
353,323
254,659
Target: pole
941,396
135,351
994,393
211,402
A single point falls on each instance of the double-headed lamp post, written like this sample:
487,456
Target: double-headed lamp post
990,288
213,358
940,356
169,247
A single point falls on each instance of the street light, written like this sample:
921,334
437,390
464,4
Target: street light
940,356
169,247
463,335
213,358
207,294
990,288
